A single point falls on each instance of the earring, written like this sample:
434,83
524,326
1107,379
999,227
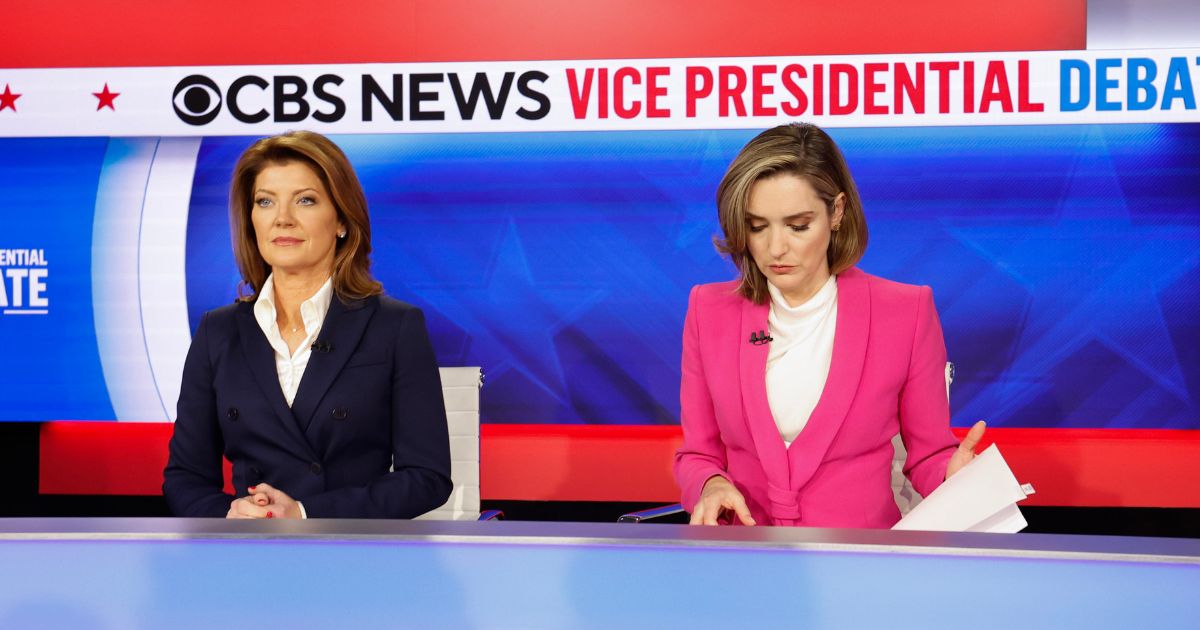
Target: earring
342,234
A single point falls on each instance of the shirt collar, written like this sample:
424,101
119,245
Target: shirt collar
823,299
312,310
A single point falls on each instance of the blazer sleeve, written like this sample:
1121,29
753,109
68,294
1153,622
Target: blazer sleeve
924,407
702,454
420,480
193,479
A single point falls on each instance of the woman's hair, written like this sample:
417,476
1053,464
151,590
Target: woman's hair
799,149
351,262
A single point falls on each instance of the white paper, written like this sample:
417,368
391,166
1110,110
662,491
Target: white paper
981,497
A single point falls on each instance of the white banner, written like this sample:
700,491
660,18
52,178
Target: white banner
1073,87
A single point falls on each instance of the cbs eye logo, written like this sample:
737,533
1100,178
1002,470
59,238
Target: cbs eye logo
197,100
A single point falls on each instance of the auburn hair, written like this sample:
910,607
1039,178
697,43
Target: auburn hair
352,277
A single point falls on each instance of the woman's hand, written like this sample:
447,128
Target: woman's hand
252,506
264,501
966,450
719,496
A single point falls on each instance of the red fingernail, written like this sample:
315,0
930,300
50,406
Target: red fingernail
270,515
252,488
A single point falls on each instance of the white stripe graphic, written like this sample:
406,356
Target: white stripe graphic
161,264
138,285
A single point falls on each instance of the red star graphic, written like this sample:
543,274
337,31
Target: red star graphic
106,98
8,100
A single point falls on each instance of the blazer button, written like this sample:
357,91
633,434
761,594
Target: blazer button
232,413
315,468
340,413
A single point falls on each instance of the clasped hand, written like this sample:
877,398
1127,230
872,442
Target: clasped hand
264,501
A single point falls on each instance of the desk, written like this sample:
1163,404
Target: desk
209,573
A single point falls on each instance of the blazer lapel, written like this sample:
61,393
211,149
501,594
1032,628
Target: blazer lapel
755,407
260,358
845,371
343,328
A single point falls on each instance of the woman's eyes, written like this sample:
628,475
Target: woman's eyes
755,229
303,201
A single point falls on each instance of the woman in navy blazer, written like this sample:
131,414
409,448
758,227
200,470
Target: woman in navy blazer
323,393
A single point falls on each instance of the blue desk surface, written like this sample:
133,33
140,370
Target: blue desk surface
157,573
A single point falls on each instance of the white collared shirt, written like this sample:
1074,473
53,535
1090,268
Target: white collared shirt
290,367
800,356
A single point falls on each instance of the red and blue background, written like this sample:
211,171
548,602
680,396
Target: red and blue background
1063,258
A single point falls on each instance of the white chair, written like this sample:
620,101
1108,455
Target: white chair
460,390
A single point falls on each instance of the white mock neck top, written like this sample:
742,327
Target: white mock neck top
800,355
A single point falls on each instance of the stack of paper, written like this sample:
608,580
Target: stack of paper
982,497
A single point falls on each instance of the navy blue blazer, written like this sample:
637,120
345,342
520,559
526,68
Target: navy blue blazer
372,399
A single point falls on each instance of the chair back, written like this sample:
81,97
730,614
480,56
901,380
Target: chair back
460,390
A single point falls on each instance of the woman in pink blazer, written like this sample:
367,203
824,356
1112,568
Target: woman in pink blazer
807,454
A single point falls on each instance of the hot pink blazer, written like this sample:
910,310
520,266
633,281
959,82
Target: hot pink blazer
887,375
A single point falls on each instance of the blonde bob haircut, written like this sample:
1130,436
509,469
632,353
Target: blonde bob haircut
799,149
352,277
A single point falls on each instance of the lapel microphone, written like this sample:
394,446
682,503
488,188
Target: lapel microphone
760,338
322,346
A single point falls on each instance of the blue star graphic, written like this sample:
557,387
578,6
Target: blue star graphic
513,317
1093,275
